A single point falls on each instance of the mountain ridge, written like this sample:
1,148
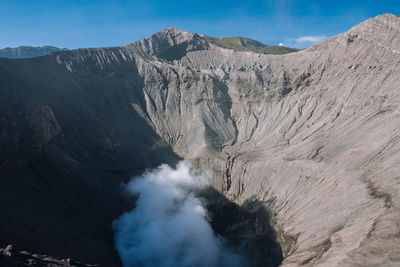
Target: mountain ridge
311,135
31,51
248,44
28,51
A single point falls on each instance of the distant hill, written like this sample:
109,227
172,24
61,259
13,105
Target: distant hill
247,44
28,51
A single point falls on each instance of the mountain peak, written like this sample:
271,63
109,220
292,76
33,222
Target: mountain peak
173,30
387,16
383,30
171,43
379,24
172,35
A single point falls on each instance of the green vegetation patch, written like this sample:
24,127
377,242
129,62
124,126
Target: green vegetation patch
247,44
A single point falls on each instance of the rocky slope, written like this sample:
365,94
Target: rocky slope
310,135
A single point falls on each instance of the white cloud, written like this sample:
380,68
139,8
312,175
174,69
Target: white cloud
169,225
281,44
310,39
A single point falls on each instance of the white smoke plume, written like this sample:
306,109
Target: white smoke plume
169,227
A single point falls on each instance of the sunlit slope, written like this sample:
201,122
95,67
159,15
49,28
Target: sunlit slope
247,44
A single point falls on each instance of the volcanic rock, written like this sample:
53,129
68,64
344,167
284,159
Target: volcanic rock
312,135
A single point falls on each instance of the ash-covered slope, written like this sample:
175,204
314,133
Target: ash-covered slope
312,135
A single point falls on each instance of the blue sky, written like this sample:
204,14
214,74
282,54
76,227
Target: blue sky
89,23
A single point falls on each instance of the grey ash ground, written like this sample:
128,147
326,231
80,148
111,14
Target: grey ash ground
312,136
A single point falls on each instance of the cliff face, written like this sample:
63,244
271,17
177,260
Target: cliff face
312,135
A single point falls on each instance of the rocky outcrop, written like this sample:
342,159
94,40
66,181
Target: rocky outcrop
311,135
10,257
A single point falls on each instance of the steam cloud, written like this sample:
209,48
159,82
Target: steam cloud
169,225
